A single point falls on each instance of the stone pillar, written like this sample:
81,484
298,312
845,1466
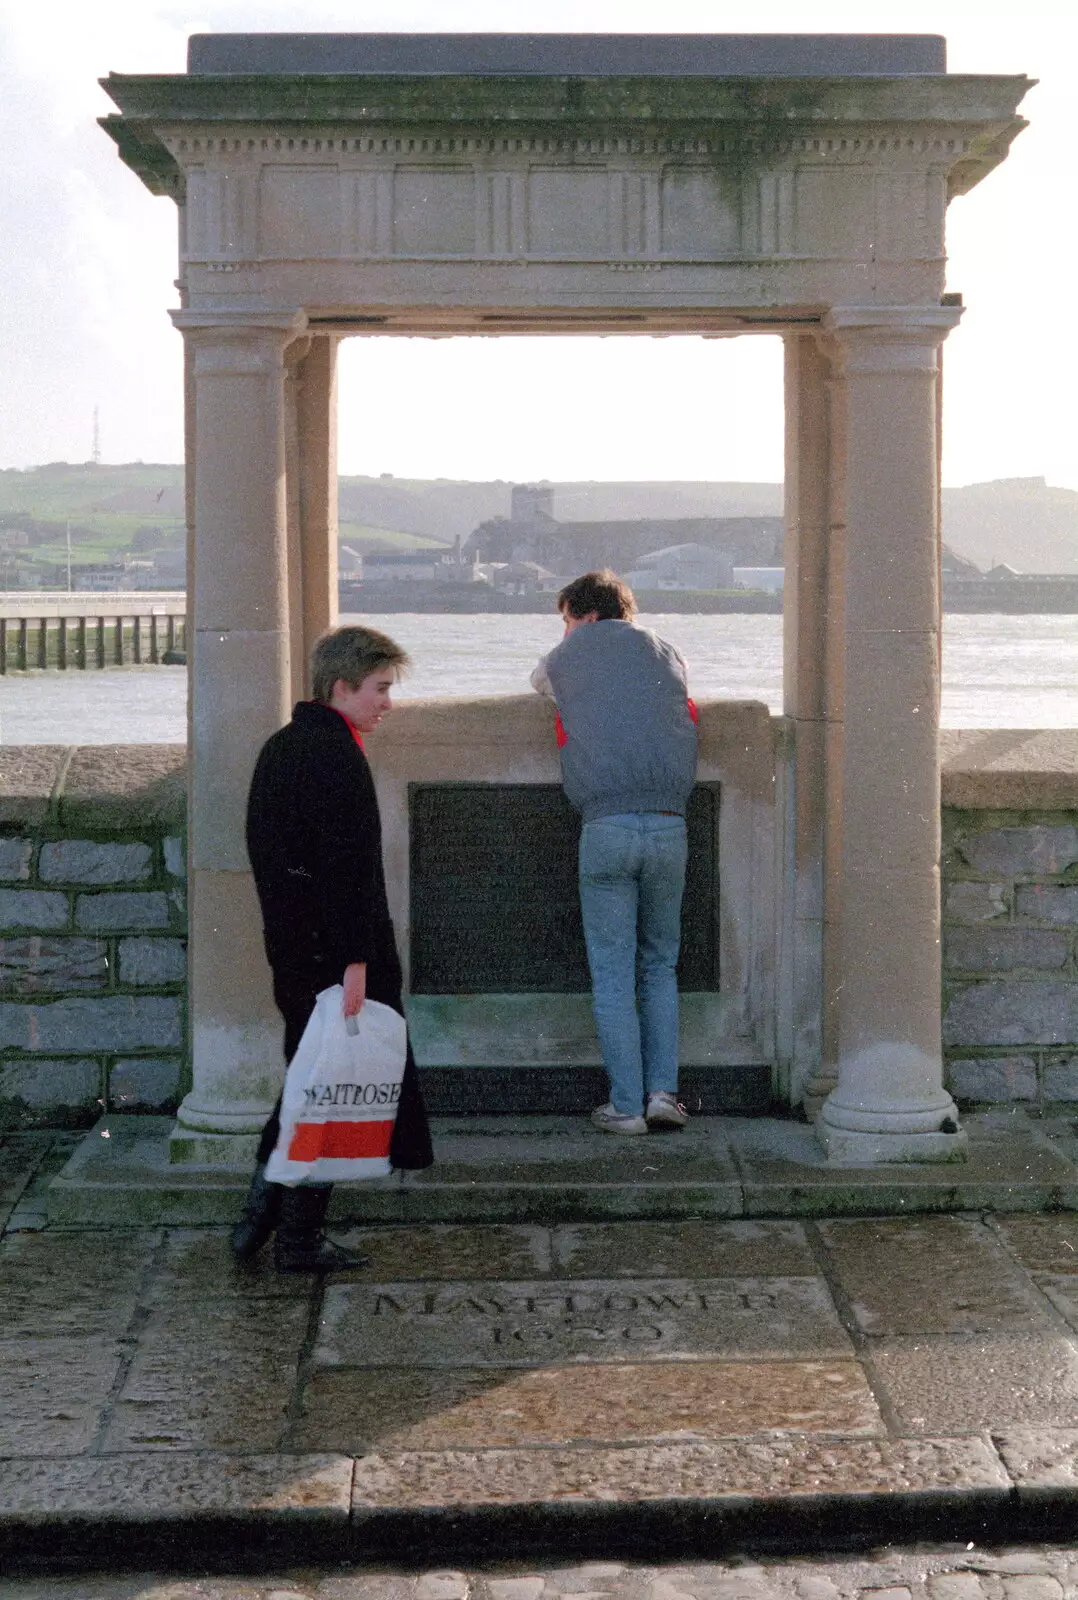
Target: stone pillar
316,406
311,454
297,674
240,687
889,1104
806,620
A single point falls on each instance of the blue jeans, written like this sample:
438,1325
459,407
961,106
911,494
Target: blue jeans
632,875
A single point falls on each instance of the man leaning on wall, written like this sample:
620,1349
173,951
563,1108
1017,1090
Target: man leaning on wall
627,736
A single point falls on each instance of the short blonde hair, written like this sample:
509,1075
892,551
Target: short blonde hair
352,654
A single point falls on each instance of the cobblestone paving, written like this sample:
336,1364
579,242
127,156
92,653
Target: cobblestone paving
922,1573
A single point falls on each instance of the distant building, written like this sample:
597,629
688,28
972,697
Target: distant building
401,566
522,577
115,576
531,502
682,566
771,579
532,533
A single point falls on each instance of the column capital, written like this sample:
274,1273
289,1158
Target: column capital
236,319
868,339
237,342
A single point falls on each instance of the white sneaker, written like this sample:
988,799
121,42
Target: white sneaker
665,1110
612,1121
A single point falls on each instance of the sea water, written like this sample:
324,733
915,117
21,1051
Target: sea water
998,672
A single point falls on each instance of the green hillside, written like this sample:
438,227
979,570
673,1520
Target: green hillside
136,510
114,512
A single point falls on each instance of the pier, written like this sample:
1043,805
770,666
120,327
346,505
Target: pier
88,630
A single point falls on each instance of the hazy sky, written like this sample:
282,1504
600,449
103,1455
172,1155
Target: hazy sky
88,263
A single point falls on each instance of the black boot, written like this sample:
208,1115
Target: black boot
301,1244
260,1212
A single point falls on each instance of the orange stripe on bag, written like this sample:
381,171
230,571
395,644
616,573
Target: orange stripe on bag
340,1140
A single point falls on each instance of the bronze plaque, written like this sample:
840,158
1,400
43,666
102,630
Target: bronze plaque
494,902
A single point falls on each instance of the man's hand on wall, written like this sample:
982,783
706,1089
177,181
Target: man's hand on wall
355,988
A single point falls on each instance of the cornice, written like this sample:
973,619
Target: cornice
969,122
321,98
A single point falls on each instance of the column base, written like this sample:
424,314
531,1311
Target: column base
193,1147
816,1092
216,1135
849,1147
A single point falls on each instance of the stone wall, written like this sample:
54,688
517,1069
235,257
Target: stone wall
1010,917
93,924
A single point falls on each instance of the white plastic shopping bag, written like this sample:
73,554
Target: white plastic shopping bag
341,1093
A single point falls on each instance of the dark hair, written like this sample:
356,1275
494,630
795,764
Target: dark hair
352,654
601,591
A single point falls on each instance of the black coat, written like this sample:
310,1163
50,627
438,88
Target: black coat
314,837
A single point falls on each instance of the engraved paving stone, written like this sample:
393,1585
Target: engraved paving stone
498,1324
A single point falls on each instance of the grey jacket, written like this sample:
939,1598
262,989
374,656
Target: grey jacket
629,741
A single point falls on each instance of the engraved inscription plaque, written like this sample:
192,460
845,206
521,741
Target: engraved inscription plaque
494,902
495,1324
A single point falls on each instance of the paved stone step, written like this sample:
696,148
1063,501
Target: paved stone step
679,1502
551,1168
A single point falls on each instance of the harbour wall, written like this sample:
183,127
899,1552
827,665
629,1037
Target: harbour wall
87,631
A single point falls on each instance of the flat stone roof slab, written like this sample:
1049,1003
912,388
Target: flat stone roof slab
574,54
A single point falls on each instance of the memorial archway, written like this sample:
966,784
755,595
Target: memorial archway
330,185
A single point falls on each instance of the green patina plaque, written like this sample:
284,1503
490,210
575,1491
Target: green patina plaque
494,902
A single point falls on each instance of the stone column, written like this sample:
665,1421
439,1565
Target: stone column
889,1104
311,454
806,628
297,674
316,418
239,663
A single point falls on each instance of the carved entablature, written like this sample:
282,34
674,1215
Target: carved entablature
717,193
281,197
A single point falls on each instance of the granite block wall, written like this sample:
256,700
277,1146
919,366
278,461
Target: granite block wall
1010,955
93,932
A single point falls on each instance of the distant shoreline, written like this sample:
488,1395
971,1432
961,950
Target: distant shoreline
1058,596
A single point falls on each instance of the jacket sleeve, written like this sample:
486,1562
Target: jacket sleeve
540,680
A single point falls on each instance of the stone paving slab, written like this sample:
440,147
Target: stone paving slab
51,1285
214,1375
935,1275
20,1156
558,1405
723,1470
684,1249
983,1381
128,1489
784,1174
53,1393
196,1264
1040,1458
1041,1244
